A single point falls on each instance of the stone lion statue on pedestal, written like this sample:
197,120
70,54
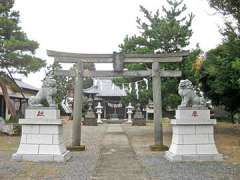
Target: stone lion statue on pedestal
189,96
46,93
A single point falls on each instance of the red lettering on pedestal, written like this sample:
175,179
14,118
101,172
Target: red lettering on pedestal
40,113
195,114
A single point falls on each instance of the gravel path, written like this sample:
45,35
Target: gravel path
80,167
114,152
160,168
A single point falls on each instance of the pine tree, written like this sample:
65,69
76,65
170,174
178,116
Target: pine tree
167,32
16,50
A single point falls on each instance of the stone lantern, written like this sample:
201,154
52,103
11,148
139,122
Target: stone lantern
129,112
99,112
90,118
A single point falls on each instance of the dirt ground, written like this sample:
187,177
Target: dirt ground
227,138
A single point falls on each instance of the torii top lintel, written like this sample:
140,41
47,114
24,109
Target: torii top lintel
65,57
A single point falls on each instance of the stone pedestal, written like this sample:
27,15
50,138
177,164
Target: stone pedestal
129,113
129,121
138,119
90,119
193,136
114,119
99,120
42,136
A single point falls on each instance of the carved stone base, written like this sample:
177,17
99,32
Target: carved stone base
90,119
42,157
114,116
139,122
157,147
90,122
115,121
138,119
77,148
188,157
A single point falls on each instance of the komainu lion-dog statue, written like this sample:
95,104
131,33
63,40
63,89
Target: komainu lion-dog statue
46,93
189,96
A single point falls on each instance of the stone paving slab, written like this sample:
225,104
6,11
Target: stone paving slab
117,159
114,129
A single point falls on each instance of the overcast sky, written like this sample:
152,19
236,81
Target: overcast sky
99,26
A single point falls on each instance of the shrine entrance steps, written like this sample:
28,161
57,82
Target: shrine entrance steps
117,159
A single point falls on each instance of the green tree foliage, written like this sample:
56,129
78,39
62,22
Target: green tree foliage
168,32
16,50
231,8
221,70
221,75
227,7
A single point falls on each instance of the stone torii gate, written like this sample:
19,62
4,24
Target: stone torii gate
118,60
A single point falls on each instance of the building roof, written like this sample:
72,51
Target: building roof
24,85
28,90
105,88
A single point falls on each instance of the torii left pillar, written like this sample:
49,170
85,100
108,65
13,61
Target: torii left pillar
157,100
77,109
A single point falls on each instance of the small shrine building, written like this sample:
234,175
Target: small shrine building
106,92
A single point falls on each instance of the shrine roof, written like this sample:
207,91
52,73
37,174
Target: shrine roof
105,88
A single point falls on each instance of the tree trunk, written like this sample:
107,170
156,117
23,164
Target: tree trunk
7,99
232,117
